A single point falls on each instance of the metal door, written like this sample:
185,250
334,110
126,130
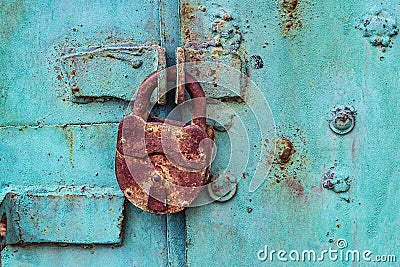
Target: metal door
320,182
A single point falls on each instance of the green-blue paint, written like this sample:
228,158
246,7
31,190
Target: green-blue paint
323,59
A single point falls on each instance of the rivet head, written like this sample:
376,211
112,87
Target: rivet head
156,178
342,119
222,189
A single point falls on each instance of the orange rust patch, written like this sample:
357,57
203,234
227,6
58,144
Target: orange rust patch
290,5
286,150
187,11
187,17
290,17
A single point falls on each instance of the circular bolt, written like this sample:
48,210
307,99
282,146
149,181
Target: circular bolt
222,189
343,120
156,178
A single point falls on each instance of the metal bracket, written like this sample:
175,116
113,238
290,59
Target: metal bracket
102,73
213,67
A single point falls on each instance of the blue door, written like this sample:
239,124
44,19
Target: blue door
303,97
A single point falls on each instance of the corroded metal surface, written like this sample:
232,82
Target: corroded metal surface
180,75
59,215
109,72
313,56
161,165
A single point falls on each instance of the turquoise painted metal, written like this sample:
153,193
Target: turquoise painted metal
327,68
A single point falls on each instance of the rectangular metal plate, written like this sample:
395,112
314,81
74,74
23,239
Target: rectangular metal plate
107,72
75,215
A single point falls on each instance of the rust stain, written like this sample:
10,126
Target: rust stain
295,186
290,5
290,157
3,227
75,90
71,196
69,136
187,17
290,17
287,149
187,11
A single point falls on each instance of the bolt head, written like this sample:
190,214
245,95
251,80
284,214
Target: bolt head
343,120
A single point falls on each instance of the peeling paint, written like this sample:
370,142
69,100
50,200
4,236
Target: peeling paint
256,62
69,137
336,183
379,27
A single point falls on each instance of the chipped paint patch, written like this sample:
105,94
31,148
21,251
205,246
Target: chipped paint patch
336,183
256,62
379,27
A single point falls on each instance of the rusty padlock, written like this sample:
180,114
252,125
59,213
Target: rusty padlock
161,165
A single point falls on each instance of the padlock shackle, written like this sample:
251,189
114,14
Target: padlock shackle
142,102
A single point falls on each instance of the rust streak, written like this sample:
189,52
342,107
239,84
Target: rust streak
69,136
295,186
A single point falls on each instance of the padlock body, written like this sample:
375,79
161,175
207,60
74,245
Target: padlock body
162,166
